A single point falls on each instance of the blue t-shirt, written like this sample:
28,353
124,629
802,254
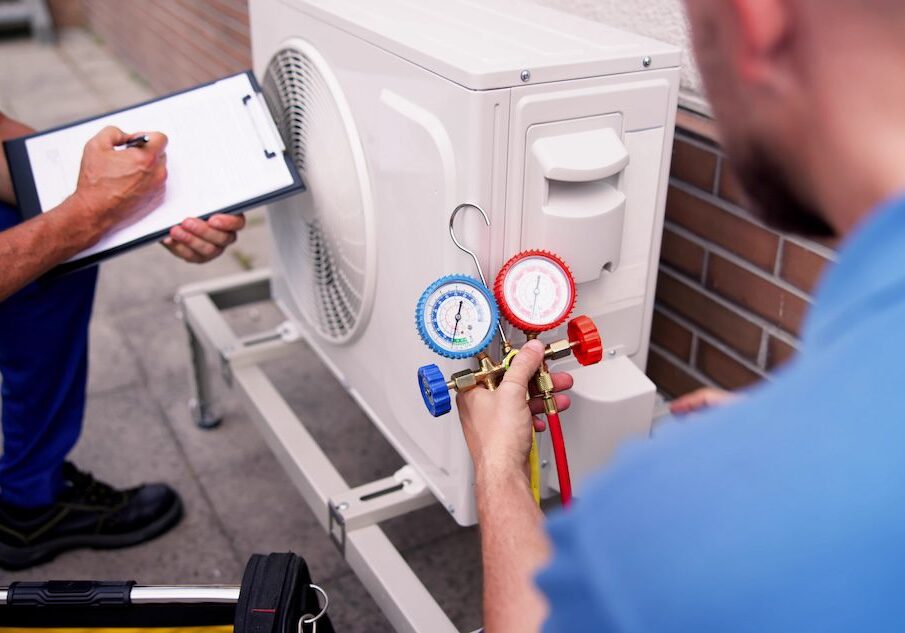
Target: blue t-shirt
783,512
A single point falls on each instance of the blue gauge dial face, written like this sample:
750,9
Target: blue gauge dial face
458,317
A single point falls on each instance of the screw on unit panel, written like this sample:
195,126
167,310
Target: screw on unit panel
526,75
342,506
647,61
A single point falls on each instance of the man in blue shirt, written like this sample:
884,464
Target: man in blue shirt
785,509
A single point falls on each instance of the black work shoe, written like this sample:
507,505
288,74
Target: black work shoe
88,513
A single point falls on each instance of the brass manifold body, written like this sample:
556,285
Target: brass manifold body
490,372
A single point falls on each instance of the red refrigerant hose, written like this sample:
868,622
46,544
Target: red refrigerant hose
562,462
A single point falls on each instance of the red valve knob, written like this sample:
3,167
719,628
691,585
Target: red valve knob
586,342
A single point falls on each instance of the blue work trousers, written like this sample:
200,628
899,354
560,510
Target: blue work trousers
44,366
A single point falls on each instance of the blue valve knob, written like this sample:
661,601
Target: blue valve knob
434,390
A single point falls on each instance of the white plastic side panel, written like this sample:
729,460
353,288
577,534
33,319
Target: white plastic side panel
613,230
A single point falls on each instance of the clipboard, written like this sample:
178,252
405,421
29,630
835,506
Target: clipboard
258,169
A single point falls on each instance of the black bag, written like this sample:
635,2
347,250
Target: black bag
276,594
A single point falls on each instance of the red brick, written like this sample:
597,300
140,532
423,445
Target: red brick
723,323
66,13
723,369
735,234
693,164
759,295
672,379
801,267
730,187
671,336
682,254
697,124
778,353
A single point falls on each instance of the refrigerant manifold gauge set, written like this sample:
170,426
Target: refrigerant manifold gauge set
458,317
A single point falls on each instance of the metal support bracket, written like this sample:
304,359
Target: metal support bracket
377,501
350,515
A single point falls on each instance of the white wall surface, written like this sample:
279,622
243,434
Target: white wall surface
660,19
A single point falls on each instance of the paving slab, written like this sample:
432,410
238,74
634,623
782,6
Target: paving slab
352,610
450,569
112,364
126,442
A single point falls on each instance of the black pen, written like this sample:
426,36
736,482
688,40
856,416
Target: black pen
138,141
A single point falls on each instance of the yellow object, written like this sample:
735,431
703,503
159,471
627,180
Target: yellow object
178,629
534,463
508,359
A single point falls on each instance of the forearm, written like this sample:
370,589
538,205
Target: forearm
9,128
32,248
514,547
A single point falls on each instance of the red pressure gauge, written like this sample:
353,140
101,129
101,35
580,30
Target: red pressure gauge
535,291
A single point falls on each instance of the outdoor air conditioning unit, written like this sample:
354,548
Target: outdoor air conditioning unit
396,112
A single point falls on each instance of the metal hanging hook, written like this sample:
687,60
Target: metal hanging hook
452,234
470,253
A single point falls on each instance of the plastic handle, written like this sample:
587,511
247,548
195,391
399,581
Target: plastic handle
434,390
582,156
72,593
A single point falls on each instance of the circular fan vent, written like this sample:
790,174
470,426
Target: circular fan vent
323,238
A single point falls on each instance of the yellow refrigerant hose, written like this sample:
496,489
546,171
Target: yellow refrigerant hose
534,463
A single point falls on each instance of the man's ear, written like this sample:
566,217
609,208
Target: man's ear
763,28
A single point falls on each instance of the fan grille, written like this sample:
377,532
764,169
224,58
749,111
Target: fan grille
321,236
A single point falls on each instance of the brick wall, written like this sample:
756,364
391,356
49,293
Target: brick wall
731,294
174,44
66,13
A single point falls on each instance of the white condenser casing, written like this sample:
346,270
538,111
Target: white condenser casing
396,112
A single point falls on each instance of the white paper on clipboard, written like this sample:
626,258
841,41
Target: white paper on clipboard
223,150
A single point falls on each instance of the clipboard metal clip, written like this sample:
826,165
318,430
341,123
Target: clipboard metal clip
264,125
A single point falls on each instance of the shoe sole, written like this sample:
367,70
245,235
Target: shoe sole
15,558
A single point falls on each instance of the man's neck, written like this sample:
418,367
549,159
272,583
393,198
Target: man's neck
856,148
860,175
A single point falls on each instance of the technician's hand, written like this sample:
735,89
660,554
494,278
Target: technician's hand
116,188
199,241
497,424
701,399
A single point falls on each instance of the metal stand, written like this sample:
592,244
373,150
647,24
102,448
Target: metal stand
350,515
31,12
200,405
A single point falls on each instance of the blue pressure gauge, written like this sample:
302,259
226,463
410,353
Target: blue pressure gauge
457,316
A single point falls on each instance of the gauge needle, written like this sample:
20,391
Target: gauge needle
536,295
458,318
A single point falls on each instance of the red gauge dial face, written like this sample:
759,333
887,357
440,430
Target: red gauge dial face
536,290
